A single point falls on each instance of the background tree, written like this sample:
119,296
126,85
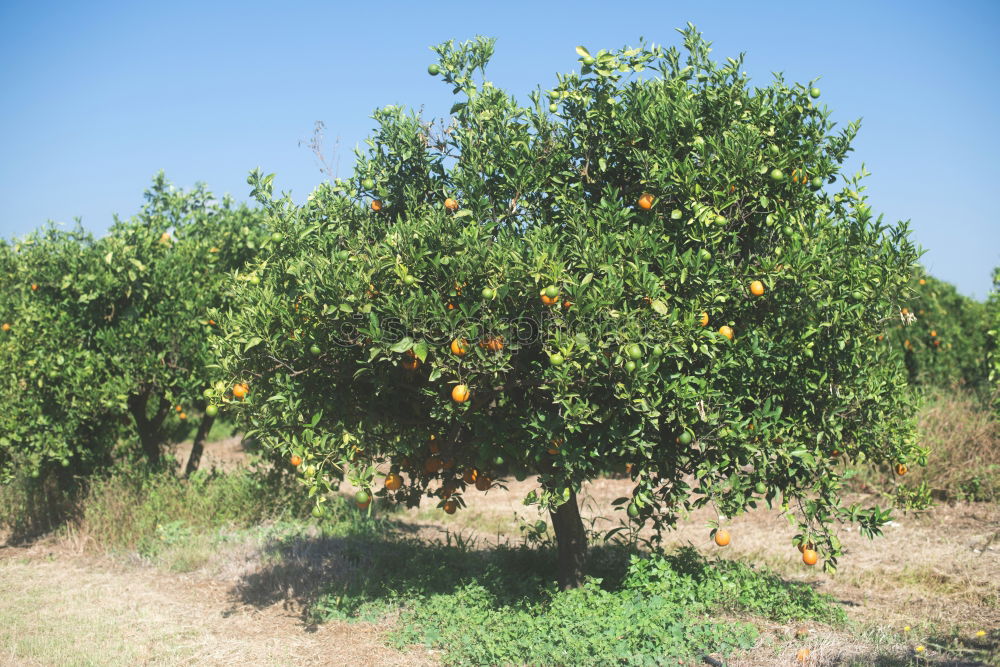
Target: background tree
993,341
646,267
941,336
107,334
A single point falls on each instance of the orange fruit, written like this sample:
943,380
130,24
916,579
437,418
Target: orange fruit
296,460
567,304
432,465
393,481
451,204
376,205
483,483
757,288
905,311
809,557
703,320
460,393
410,364
646,201
459,347
34,287
470,476
726,331
178,408
182,415
923,282
722,537
450,506
494,344
5,327
240,390
900,469
804,546
933,333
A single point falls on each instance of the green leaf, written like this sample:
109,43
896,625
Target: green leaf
403,345
659,307
582,52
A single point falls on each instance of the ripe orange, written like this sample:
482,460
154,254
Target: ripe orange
722,537
459,347
900,469
703,320
5,327
923,282
470,476
460,393
410,364
757,288
450,506
646,201
549,301
34,287
809,557
483,483
726,331
804,546
296,460
393,481
432,465
182,415
240,390
933,333
451,204
567,304
376,205
178,408
494,343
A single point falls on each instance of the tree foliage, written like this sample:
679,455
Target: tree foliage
941,336
448,232
109,336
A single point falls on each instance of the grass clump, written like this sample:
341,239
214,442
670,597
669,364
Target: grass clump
501,606
138,509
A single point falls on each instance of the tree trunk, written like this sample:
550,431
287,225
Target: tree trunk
571,541
150,436
198,448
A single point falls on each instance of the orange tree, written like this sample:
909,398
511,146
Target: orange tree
993,341
167,272
111,339
644,265
941,335
57,415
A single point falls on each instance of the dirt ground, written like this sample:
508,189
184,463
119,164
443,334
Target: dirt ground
61,604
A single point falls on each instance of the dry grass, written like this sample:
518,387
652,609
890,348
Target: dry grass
964,440
57,610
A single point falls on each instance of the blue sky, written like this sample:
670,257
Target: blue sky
99,96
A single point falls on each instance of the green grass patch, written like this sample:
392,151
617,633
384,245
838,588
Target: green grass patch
501,606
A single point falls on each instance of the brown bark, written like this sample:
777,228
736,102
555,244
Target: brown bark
198,448
571,542
150,436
